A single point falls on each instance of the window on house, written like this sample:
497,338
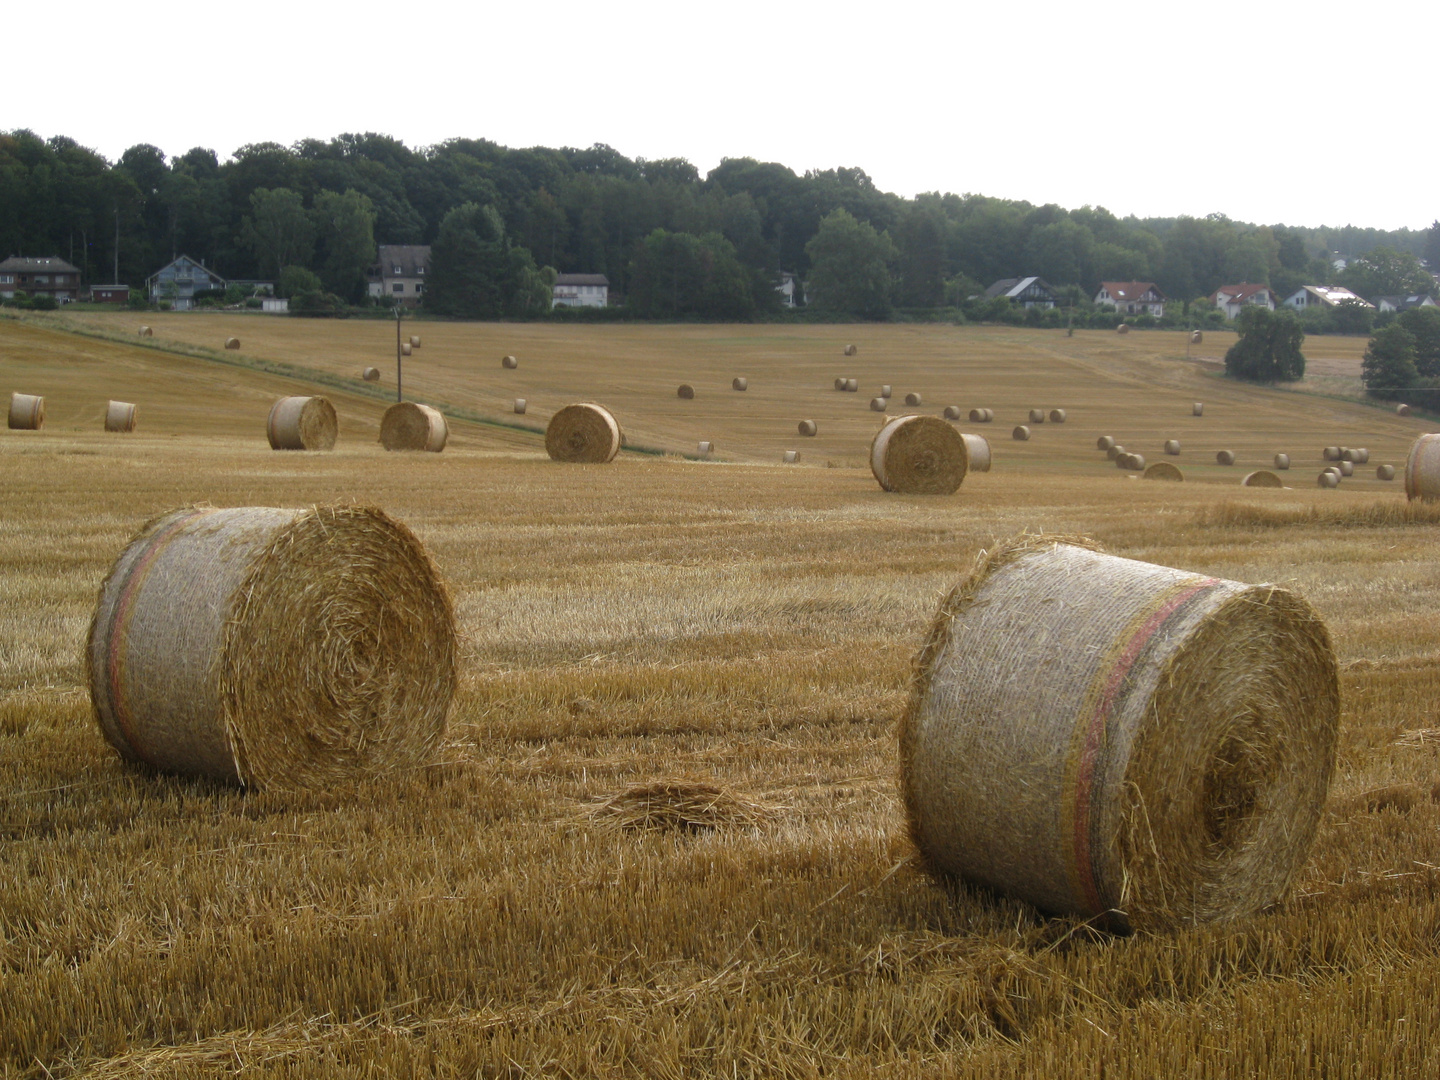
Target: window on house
420,271
7,279
399,286
395,269
419,288
42,279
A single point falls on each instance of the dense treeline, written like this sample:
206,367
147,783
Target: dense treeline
672,241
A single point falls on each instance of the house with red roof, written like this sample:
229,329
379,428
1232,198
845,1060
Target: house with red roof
1131,297
1231,299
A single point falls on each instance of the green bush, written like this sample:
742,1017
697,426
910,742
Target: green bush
315,303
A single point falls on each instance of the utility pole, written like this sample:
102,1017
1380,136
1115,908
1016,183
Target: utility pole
116,278
399,390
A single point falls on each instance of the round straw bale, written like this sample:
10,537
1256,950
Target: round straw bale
371,374
1335,470
989,415
1197,409
1159,756
1021,433
1131,462
119,416
977,416
1172,447
852,385
919,455
912,399
414,341
1261,478
1057,416
1104,442
27,412
1385,472
1123,328
977,447
1196,337
879,404
739,384
405,349
1331,453
1282,461
1037,416
1224,457
1163,470
887,390
791,457
301,423
232,343
1402,410
584,434
851,350
705,446
686,391
1115,451
145,331
807,427
509,362
1347,468
952,412
1328,479
273,648
519,406
840,383
1355,455
408,425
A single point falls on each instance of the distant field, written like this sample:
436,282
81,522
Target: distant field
739,622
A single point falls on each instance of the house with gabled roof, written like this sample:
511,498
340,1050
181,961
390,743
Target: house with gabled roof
1132,297
580,290
1028,292
180,279
1323,296
39,277
399,272
1405,303
1231,300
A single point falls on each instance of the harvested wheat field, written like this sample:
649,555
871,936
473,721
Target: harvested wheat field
664,835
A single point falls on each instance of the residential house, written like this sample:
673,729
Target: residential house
581,290
179,280
1028,292
1404,303
39,277
791,291
399,272
1131,297
109,294
1232,299
1323,296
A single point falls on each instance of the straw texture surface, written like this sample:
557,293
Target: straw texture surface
583,434
1109,738
371,374
919,455
1261,478
27,412
119,416
302,423
408,425
1163,470
978,450
273,647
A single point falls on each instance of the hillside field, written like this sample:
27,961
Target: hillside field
734,622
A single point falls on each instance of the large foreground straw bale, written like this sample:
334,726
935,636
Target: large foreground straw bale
302,423
584,434
919,455
273,648
1112,739
977,447
119,416
27,412
408,425
1261,478
232,343
1163,470
371,374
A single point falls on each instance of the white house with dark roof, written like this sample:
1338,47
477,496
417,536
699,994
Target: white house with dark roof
399,272
1028,292
1231,300
580,290
1404,303
179,280
1131,297
1323,296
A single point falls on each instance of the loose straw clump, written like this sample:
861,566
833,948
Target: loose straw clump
232,343
273,648
978,451
27,412
1261,478
408,425
1163,470
119,416
680,805
302,423
1422,469
371,374
583,434
1159,756
919,455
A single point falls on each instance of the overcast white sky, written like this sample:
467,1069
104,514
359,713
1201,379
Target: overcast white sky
1308,114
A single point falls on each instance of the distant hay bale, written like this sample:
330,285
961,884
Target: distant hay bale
840,384
27,412
519,406
1261,478
509,362
1158,757
1172,447
1037,416
1196,337
302,423
414,341
371,374
1020,433
1104,442
1331,453
1328,479
913,399
977,416
739,384
887,391
408,425
977,449
1114,452
586,434
232,343
952,412
1282,461
852,385
790,457
1197,409
686,391
1347,468
851,350
1334,470
1123,328
273,647
807,427
405,349
919,455
1402,410
1385,472
879,404
1224,457
1355,455
1131,462
119,416
1057,416
145,331
705,446
1163,470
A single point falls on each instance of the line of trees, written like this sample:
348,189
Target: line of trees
673,242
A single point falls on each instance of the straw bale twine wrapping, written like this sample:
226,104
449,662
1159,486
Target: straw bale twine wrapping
913,399
583,434
1104,442
27,412
371,374
1328,479
405,348
879,404
1172,447
1261,478
273,647
1163,470
519,406
1385,472
1224,457
977,447
1282,461
1331,453
1123,328
145,331
705,446
119,416
1109,738
1355,455
686,391
1402,410
232,343
791,457
301,423
1057,416
952,412
1037,416
887,390
414,341
807,427
408,425
919,455
852,385
1196,337
1197,409
1115,451
509,362
851,350
739,384
1020,433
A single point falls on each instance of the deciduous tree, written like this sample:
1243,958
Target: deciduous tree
1389,362
850,267
1269,347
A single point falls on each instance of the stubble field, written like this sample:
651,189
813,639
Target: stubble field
734,623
